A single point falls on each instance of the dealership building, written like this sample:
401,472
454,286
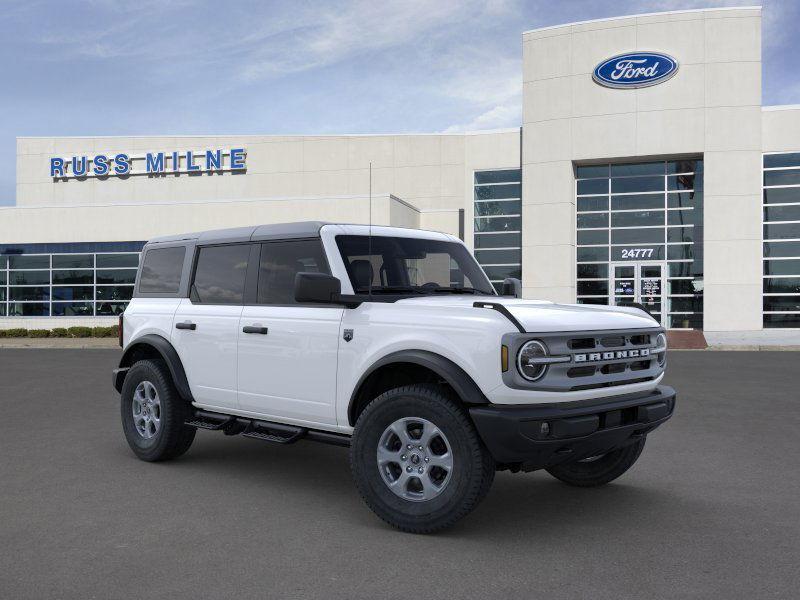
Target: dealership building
645,169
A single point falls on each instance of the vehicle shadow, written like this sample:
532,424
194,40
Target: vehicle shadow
521,504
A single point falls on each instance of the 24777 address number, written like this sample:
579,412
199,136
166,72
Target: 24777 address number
637,253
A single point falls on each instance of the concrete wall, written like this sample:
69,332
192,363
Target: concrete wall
711,107
428,171
780,128
432,174
145,221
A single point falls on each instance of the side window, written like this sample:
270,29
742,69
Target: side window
161,270
280,262
220,274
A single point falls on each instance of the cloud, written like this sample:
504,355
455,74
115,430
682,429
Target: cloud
331,35
497,117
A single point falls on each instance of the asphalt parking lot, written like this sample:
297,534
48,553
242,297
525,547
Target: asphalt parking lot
711,510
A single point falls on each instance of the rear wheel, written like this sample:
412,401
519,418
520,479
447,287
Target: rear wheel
153,413
417,460
598,470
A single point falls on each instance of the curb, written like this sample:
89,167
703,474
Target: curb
59,343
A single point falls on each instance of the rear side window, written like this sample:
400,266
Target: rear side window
280,262
220,274
161,271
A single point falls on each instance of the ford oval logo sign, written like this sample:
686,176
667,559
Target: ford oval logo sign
635,70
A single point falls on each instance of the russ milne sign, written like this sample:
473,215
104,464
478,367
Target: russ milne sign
635,70
151,163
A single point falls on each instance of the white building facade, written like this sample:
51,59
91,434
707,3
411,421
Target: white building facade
645,170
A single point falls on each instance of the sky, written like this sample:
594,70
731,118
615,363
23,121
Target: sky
161,67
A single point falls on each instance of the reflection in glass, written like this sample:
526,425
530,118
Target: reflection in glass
73,309
129,276
64,277
29,277
498,176
117,260
22,261
73,292
73,261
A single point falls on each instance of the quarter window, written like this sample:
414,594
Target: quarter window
161,271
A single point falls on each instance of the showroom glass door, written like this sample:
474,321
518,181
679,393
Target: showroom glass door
640,283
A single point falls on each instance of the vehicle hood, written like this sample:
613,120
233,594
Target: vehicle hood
541,316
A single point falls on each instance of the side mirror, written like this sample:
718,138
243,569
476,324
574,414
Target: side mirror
317,287
512,287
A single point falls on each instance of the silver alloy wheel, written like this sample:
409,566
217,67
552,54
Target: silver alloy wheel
146,408
415,459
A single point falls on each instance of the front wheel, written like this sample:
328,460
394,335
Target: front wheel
598,470
418,461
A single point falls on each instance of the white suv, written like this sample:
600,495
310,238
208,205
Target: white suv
392,342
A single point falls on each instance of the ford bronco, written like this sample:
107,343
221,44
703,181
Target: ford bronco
392,342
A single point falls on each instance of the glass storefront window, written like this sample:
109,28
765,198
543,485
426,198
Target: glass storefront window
73,276
781,288
648,215
116,276
68,292
73,261
109,261
28,309
67,284
72,309
40,261
497,225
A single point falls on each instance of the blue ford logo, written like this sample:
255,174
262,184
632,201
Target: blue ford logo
635,70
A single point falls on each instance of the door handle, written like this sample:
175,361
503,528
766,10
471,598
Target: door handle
255,329
186,325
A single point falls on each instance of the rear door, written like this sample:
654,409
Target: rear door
206,325
288,351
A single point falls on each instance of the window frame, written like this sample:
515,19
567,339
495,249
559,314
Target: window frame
193,273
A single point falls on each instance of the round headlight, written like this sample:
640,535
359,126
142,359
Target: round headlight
527,360
661,349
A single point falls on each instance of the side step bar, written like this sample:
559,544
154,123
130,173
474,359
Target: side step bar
268,431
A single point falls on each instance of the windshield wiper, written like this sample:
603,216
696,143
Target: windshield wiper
457,290
390,289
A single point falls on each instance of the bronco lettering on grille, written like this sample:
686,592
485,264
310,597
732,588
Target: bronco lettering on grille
616,355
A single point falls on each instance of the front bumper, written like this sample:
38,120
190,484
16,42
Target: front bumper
539,436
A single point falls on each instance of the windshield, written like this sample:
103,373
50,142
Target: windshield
399,265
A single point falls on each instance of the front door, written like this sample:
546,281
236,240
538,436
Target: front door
640,283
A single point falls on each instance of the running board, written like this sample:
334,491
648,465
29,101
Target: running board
276,433
208,420
268,431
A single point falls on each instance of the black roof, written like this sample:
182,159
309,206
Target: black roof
302,229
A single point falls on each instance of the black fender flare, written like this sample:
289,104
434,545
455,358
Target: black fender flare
168,354
455,376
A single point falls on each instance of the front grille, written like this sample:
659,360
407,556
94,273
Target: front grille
581,344
597,359
613,342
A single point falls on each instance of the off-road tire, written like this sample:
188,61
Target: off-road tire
473,466
601,470
173,437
